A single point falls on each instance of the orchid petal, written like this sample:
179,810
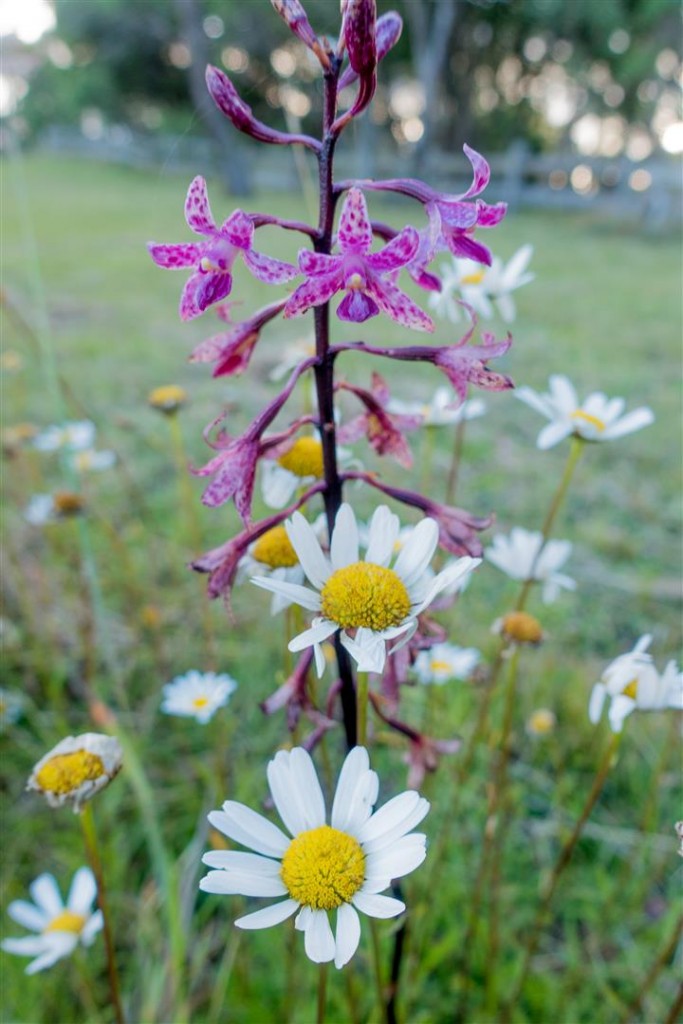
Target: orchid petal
355,231
313,292
267,269
197,210
396,304
175,257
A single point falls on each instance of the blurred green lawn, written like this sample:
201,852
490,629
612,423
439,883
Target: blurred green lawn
604,309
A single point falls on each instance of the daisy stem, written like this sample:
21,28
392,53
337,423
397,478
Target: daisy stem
535,931
667,951
456,458
362,708
427,457
377,962
93,854
322,994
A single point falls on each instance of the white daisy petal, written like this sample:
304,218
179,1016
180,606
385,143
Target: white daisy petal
46,896
305,781
242,883
553,434
305,542
392,815
236,860
92,927
320,662
368,650
82,892
344,545
319,631
347,934
245,826
58,949
27,945
377,906
417,552
302,918
268,916
319,940
28,916
286,797
294,591
384,530
402,857
356,783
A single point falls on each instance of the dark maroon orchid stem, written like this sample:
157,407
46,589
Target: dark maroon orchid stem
324,372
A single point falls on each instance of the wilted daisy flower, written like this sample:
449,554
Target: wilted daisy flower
76,769
632,683
597,419
524,556
367,601
444,662
197,694
50,508
439,411
11,706
73,437
519,627
343,866
90,460
60,928
168,398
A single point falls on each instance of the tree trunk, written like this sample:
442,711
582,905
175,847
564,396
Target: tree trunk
233,170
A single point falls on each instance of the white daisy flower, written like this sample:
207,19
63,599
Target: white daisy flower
502,279
524,556
367,601
197,694
632,683
292,355
444,662
483,288
343,866
90,460
273,555
73,437
43,509
76,769
597,419
60,928
439,410
299,466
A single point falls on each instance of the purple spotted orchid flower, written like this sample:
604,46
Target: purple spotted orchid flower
384,430
364,275
212,260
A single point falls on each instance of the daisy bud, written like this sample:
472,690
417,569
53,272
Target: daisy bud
167,399
76,769
541,722
520,627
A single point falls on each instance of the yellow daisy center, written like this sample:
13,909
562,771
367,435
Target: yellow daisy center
64,773
323,868
168,398
474,278
541,722
67,503
67,921
522,627
275,549
304,458
200,702
594,421
365,594
440,666
631,689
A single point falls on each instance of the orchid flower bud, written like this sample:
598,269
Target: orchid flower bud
293,13
387,34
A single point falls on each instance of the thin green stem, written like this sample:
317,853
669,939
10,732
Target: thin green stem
92,850
535,931
322,994
377,963
456,459
362,684
667,951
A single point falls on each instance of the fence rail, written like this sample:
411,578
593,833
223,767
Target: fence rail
648,192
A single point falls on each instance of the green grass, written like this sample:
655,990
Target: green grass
603,310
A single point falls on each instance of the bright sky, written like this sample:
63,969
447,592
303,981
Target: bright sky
28,20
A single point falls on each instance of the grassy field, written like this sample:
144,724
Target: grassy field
105,604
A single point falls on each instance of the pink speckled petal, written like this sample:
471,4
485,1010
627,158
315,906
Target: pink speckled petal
312,264
174,257
188,300
238,229
482,172
267,269
489,215
197,210
355,232
399,251
313,292
466,247
458,215
212,288
357,307
396,304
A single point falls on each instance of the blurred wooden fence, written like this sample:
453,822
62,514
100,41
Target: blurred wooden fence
648,191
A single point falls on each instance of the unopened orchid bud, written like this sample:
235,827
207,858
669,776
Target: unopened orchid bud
293,13
387,34
228,100
358,34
